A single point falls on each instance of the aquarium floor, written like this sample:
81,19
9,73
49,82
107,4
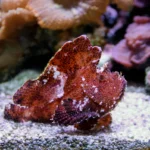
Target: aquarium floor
129,130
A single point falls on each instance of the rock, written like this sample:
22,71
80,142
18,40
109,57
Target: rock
147,79
10,87
11,57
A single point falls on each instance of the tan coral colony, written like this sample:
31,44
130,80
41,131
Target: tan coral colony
63,14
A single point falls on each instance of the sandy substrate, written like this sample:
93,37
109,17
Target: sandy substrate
129,130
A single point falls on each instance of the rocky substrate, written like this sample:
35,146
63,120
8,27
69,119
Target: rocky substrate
130,129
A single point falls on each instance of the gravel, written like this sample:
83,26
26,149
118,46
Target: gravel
130,129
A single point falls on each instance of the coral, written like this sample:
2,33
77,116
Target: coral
134,50
71,90
117,31
110,16
31,49
14,20
66,14
49,14
13,17
7,5
123,4
141,3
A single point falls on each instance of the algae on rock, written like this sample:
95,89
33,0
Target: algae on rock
10,87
